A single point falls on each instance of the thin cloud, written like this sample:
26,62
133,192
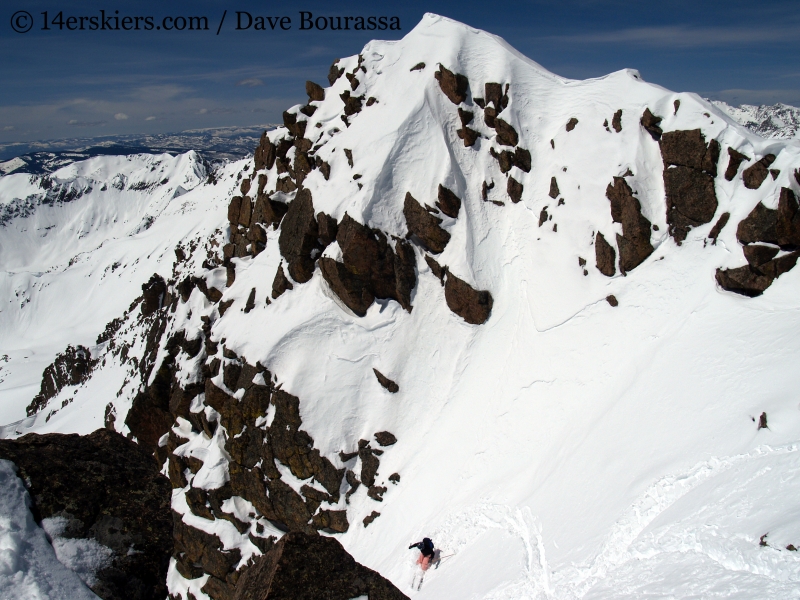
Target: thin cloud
250,82
76,123
150,119
120,116
683,36
735,97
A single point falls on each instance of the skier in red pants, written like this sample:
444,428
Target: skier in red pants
426,553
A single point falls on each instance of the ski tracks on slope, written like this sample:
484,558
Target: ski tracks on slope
622,545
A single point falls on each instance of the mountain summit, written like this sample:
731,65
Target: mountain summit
547,323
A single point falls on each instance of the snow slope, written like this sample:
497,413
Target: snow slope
563,449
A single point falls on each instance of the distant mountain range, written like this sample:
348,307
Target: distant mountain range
779,121
213,144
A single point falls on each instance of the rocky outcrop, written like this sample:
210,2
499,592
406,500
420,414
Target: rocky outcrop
754,175
298,237
735,159
690,166
474,306
634,243
281,283
514,189
780,227
448,202
315,92
763,233
553,188
423,226
385,438
605,256
107,489
650,122
387,383
304,567
616,121
454,85
572,123
153,294
71,367
370,268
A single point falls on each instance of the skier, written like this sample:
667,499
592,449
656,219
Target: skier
426,552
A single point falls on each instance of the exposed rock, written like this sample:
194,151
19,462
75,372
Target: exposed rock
780,227
571,124
153,294
109,489
490,116
553,188
352,104
758,255
386,382
543,216
370,518
436,268
514,189
494,95
605,256
689,149
308,567
264,154
506,134
385,438
369,465
616,121
424,226
418,67
691,200
394,478
454,85
281,283
245,211
676,105
327,227
522,159
755,174
634,243
334,72
718,227
71,367
293,447
351,289
612,300
448,202
650,122
298,237
331,521
470,136
244,187
315,92
295,127
349,154
376,492
735,159
743,280
474,306
323,167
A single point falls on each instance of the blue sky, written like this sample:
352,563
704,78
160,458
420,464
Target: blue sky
59,84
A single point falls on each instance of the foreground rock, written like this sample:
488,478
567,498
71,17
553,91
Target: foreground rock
305,567
109,490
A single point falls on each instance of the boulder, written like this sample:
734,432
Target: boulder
334,72
735,159
385,438
572,123
634,243
448,202
386,382
506,134
474,306
350,289
424,226
264,157
743,280
281,283
493,93
514,189
718,227
454,85
605,256
107,489
311,567
315,92
554,191
616,121
650,122
689,149
369,465
780,227
754,175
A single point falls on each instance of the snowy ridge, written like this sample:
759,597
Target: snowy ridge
570,446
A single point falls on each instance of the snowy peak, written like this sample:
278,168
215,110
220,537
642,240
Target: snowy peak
779,121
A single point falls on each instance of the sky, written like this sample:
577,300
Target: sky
61,83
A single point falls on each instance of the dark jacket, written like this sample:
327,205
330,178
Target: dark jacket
425,546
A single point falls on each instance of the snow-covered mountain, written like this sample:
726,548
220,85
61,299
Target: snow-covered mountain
780,121
550,324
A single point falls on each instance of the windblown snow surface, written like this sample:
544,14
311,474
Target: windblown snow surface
563,449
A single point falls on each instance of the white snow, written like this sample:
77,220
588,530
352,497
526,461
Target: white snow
29,568
564,449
